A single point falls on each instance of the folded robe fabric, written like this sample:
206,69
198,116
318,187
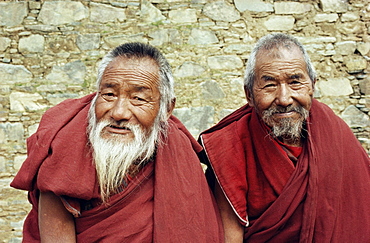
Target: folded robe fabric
325,198
171,192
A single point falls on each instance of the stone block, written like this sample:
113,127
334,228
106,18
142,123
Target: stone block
13,131
55,99
103,13
149,13
318,39
253,5
120,4
4,43
34,5
350,28
32,129
41,27
171,1
330,18
2,163
174,37
12,13
363,48
224,112
18,161
2,136
338,6
365,86
183,16
51,88
211,90
163,36
355,118
22,102
196,119
32,44
224,62
345,47
17,225
88,41
355,64
116,40
237,85
365,16
11,74
202,37
238,49
279,23
221,11
328,50
335,87
62,12
291,7
189,69
160,37
350,17
70,73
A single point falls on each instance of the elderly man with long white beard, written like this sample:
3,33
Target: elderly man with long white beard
116,166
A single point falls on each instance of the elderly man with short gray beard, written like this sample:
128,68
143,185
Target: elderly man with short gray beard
284,167
116,166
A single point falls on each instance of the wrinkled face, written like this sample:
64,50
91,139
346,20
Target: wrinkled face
282,86
128,94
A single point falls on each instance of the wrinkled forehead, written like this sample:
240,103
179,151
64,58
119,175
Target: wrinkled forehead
133,63
280,52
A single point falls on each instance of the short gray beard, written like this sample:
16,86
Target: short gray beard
287,128
113,158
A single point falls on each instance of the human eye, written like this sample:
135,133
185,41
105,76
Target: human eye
269,86
108,96
296,79
295,84
138,100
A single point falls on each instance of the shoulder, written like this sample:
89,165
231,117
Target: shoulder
229,120
70,105
323,114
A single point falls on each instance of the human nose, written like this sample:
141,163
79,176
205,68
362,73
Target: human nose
121,110
284,96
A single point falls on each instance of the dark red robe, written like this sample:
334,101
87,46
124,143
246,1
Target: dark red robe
324,198
168,201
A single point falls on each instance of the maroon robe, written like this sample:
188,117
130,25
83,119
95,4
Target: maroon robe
324,198
168,201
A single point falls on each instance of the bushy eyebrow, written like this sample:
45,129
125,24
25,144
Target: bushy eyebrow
109,85
137,88
296,76
267,78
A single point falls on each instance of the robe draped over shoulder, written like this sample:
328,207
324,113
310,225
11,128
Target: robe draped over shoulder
168,201
324,198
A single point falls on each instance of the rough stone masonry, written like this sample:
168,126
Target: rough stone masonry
49,51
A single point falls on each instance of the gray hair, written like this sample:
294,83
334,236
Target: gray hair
269,42
140,50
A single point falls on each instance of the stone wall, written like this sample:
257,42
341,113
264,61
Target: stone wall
49,51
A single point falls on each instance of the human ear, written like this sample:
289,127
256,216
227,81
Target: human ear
249,96
171,107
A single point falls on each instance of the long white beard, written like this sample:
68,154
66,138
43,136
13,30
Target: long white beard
113,157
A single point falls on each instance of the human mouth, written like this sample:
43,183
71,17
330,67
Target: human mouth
118,129
285,114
